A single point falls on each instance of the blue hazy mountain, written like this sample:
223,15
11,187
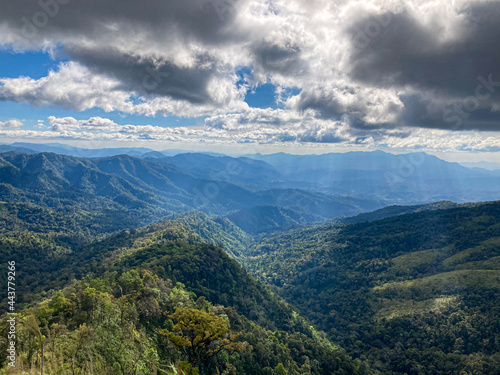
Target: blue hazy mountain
132,183
407,178
483,164
242,171
13,148
174,152
63,149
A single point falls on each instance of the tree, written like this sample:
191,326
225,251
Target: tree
280,369
200,335
33,325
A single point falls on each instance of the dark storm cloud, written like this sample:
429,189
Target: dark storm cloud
206,20
407,54
314,137
427,113
271,58
150,78
326,106
88,31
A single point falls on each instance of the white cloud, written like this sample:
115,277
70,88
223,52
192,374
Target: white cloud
12,123
72,87
75,87
263,127
363,68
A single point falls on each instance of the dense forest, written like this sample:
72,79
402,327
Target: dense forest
410,294
110,304
119,324
117,278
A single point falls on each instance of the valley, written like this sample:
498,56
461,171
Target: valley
109,248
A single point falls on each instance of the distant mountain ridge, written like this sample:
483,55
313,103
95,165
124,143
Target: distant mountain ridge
483,164
391,211
377,178
406,288
408,178
126,182
63,149
242,171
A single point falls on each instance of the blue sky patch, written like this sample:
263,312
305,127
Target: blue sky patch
30,64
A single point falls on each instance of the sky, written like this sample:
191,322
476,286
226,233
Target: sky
307,76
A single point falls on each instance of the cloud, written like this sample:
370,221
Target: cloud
168,54
427,50
439,56
72,124
13,123
364,107
261,127
363,68
72,87
442,140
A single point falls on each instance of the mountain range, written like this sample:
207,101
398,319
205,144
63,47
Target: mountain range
415,178
112,249
125,182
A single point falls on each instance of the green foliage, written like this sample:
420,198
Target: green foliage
185,368
218,231
200,335
92,327
395,290
119,290
267,219
88,331
409,294
280,369
208,271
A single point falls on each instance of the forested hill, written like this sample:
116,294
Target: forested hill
415,293
414,178
152,190
106,305
402,290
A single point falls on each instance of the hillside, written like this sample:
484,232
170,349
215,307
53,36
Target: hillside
124,182
265,219
117,292
218,231
403,289
391,211
410,292
405,179
240,171
173,249
112,325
